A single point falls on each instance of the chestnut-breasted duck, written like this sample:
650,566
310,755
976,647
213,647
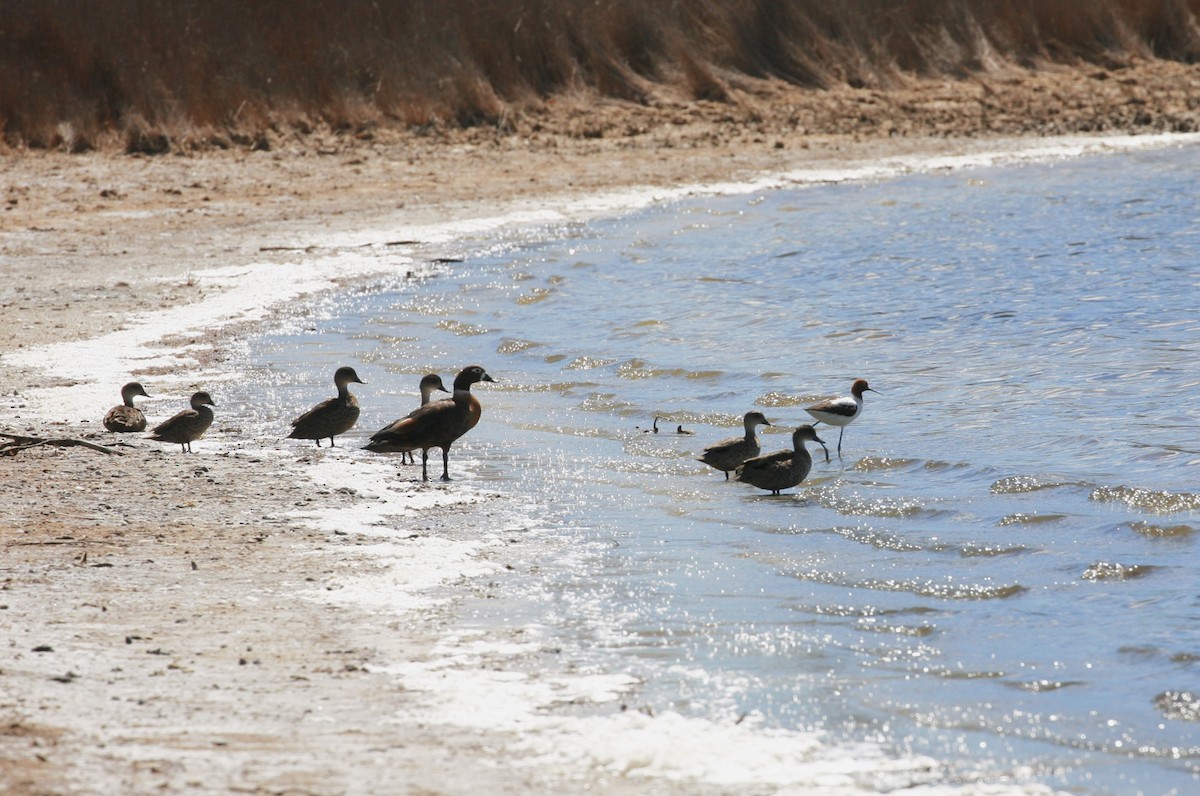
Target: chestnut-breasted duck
727,454
782,469
435,425
430,383
125,417
189,425
333,416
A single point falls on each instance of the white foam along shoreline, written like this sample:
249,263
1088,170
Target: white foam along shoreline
482,680
567,724
250,292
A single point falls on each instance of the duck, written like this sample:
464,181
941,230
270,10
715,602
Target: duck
782,469
125,417
187,426
436,424
679,429
842,411
429,383
333,416
727,454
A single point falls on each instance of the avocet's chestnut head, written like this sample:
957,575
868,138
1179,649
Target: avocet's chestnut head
860,386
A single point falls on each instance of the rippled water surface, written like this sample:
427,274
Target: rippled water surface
1002,566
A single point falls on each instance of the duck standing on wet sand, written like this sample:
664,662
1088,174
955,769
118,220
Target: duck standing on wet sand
435,425
331,417
841,412
727,454
125,417
429,383
187,426
782,469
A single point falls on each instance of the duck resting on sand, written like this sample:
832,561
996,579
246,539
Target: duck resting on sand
435,425
841,412
333,416
125,417
429,383
727,454
189,425
782,469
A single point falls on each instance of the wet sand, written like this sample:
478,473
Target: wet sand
160,630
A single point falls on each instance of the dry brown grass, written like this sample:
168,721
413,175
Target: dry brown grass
158,74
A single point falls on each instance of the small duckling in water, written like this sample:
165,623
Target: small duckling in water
187,426
125,417
782,469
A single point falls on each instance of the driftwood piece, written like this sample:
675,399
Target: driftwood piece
18,443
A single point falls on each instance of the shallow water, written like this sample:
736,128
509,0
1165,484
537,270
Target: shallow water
1001,570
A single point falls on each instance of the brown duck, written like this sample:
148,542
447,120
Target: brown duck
331,417
435,425
782,469
429,383
125,417
727,454
187,426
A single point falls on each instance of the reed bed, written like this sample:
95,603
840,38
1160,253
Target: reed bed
154,74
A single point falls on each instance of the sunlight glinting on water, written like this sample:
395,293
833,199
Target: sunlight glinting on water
1001,565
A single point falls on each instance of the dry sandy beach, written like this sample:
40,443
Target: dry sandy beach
160,633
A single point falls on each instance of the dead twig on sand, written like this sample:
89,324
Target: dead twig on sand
20,443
